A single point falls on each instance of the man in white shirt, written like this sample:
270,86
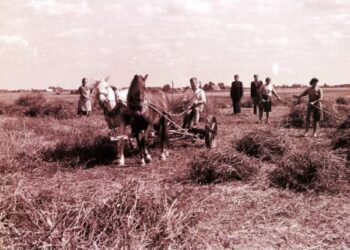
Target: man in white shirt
195,99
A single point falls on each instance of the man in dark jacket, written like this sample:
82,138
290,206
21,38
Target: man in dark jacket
254,92
236,95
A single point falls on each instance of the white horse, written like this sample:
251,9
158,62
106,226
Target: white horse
113,102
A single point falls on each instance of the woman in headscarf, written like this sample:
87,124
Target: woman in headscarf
314,106
84,105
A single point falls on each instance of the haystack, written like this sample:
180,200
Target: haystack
265,145
222,166
314,171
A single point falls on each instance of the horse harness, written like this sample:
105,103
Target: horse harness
118,104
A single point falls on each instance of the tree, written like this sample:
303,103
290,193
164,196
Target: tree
166,88
207,87
221,85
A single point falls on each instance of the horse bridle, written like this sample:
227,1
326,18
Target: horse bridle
143,106
118,103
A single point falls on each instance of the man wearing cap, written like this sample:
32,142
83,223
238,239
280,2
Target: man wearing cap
254,93
236,94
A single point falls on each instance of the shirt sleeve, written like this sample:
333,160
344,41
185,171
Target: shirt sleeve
203,97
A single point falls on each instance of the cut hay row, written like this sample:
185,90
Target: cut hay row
131,218
265,145
312,171
221,166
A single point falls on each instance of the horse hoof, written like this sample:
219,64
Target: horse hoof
148,158
142,163
121,162
163,157
167,153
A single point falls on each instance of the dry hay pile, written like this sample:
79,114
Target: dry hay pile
84,150
342,101
35,105
131,218
265,145
345,124
296,118
312,171
341,139
221,166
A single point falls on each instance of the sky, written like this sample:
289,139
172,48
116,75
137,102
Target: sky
58,42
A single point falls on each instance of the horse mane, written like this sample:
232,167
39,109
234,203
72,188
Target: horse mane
135,88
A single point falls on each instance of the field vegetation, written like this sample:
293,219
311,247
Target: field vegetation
264,187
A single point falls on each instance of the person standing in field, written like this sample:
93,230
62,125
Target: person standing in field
195,98
265,92
236,94
254,93
84,105
314,106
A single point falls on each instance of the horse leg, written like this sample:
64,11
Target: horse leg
120,147
164,138
144,143
140,144
148,156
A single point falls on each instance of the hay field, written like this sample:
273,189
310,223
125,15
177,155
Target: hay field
60,189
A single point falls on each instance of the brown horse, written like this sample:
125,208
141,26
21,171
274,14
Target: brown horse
147,109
